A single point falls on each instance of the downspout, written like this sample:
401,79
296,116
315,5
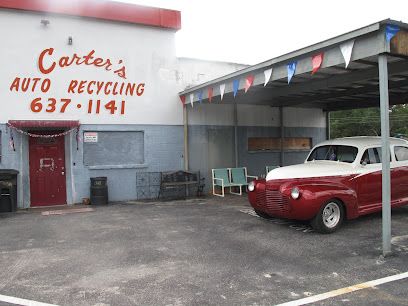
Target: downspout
185,123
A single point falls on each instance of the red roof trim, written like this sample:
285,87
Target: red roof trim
100,9
44,123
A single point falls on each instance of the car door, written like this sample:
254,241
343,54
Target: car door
399,176
368,181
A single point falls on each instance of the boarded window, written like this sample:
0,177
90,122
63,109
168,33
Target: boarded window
271,143
113,148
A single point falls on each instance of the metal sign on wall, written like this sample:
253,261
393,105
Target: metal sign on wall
90,137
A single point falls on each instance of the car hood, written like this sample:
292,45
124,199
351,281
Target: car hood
311,169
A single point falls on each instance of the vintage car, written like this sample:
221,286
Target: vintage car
340,179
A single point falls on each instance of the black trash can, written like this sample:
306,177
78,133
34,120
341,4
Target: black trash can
8,190
99,190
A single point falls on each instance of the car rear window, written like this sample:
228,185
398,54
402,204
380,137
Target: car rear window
346,154
401,153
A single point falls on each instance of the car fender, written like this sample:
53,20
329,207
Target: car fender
314,195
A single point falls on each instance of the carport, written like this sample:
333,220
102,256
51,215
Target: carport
367,67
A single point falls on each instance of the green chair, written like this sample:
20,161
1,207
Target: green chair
269,168
221,178
240,177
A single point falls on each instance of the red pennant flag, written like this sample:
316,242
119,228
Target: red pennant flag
183,100
248,82
317,61
210,93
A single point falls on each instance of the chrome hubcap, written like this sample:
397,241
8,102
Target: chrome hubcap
331,215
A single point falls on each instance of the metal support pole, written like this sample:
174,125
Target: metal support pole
385,141
236,134
282,136
185,122
327,125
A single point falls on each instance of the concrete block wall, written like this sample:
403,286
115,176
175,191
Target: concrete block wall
163,152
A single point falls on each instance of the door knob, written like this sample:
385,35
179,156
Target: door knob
62,173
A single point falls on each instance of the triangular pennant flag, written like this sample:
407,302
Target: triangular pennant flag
347,50
222,90
248,82
210,93
268,74
235,87
390,31
317,61
183,100
192,100
291,70
200,96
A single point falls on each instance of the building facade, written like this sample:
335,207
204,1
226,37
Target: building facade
90,89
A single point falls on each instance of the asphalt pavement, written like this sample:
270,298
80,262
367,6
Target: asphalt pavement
207,251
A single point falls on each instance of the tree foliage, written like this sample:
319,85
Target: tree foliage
360,122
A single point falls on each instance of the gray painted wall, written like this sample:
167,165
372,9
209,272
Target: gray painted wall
163,150
254,161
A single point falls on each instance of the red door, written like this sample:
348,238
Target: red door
47,170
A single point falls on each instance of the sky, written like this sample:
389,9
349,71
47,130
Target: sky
253,31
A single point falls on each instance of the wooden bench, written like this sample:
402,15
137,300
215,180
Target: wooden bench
177,184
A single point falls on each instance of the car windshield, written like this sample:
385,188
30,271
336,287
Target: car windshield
346,154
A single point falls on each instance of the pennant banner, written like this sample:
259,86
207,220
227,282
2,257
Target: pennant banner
235,87
291,70
210,93
192,100
347,50
222,90
248,82
390,31
200,96
317,61
268,74
183,100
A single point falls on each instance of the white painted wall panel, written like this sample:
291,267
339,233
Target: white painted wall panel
148,54
260,115
304,117
211,114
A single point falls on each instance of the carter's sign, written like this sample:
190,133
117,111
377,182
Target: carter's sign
48,64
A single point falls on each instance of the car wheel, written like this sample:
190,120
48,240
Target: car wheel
262,214
329,218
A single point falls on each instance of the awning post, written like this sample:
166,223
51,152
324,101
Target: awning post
385,141
236,134
282,137
185,122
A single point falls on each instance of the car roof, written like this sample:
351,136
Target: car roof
362,141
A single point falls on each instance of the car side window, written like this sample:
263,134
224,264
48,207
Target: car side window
371,156
401,153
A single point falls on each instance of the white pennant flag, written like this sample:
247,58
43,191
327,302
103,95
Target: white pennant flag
222,89
268,74
192,99
347,50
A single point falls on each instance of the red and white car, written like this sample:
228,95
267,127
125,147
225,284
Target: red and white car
340,179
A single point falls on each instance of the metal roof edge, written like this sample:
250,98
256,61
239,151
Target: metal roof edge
300,52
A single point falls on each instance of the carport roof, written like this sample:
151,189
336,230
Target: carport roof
333,87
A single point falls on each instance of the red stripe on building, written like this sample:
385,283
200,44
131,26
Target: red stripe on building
100,9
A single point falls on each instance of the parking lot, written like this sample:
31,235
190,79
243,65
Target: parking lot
208,251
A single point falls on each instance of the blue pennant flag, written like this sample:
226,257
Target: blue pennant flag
200,96
235,86
390,31
291,70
